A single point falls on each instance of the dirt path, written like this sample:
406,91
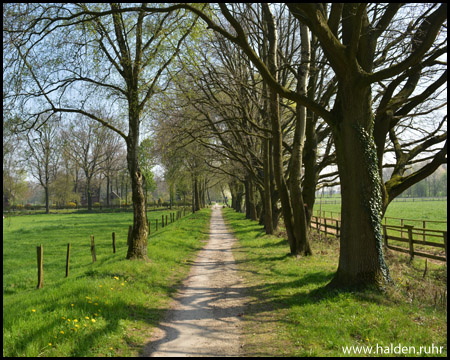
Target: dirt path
205,317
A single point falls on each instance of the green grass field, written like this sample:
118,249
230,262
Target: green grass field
110,308
429,214
105,308
417,210
292,314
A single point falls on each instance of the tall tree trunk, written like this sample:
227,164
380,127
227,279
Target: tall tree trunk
233,195
298,209
196,194
171,193
107,191
47,203
137,247
274,193
237,192
250,207
361,260
89,193
193,194
268,218
277,136
310,175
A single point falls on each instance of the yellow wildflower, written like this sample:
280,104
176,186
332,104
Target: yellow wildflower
62,332
33,310
93,320
86,317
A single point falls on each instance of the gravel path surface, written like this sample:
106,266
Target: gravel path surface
205,317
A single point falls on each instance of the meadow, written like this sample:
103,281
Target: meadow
110,307
106,308
417,210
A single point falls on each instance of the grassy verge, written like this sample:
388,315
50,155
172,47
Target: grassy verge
291,314
103,309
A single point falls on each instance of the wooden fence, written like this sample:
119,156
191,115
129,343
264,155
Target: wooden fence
40,249
337,200
388,220
416,238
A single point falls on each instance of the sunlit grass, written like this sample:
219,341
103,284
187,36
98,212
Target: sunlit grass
107,308
293,314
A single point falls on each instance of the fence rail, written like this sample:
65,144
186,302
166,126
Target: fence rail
338,200
396,234
40,251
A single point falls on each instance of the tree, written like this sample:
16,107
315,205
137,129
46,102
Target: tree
120,52
61,190
113,163
43,157
14,186
87,149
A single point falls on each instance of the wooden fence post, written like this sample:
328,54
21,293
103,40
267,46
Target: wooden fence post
162,220
444,234
156,225
149,227
424,227
166,220
337,229
67,259
114,242
94,257
325,219
40,261
410,240
385,235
